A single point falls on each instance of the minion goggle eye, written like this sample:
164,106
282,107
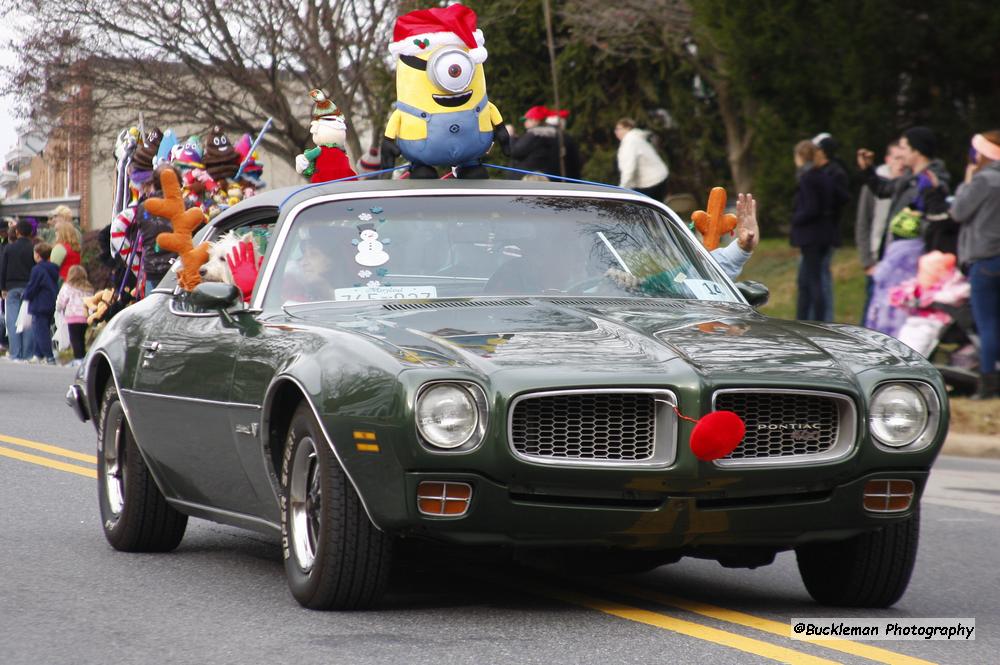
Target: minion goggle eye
450,69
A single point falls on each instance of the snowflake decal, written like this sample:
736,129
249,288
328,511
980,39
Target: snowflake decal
365,217
364,274
373,283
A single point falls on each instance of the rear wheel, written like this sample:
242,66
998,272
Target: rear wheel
869,570
134,514
335,558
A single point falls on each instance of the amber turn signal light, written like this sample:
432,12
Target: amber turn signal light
443,498
888,496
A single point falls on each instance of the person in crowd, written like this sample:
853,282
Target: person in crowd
537,149
146,226
572,161
66,250
641,168
15,271
825,159
920,193
7,235
369,162
872,219
814,232
70,304
46,232
41,293
977,209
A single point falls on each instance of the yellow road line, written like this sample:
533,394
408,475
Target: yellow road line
46,448
767,625
45,461
689,628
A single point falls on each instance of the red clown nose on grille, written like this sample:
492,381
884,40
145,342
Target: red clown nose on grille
716,435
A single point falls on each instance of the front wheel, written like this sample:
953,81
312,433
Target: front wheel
134,514
870,570
335,558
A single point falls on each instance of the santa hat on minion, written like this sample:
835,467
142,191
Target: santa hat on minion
324,110
424,30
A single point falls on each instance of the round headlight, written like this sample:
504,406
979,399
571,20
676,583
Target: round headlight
447,415
898,414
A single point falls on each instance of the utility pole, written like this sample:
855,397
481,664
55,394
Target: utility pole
555,82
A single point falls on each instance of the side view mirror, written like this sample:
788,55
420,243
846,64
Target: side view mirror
216,295
756,293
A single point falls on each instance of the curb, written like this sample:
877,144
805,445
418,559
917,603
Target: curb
972,445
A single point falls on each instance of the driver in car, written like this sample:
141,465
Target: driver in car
550,264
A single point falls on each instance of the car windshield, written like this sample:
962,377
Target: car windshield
421,247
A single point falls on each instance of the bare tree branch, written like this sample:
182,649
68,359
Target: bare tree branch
202,62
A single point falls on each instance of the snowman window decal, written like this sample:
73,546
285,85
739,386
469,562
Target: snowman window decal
371,250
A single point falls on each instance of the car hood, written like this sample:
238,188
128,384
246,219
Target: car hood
614,336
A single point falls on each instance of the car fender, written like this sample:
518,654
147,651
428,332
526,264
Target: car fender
374,476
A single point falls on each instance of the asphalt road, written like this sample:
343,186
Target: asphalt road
67,597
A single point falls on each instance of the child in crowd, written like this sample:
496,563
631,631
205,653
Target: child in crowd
41,292
70,304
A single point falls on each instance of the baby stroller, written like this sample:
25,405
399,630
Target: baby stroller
956,352
939,323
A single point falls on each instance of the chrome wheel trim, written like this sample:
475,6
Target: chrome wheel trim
305,499
114,469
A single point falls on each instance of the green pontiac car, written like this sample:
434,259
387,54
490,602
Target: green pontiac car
506,364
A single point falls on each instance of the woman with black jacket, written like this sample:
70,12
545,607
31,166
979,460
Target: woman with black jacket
814,232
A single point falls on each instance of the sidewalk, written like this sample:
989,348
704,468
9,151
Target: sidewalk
972,445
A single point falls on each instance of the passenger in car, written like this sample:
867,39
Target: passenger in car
326,264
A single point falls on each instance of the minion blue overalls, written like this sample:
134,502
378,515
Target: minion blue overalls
453,137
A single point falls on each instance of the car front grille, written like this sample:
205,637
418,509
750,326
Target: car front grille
593,427
789,426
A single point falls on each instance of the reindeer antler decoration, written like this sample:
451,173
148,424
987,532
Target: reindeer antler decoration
184,222
714,224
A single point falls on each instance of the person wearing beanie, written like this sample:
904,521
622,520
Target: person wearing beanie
826,162
977,209
917,199
814,232
370,162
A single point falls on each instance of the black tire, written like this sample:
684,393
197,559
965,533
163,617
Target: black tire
869,570
350,558
137,518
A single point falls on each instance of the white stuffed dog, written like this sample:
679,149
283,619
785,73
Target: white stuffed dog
217,269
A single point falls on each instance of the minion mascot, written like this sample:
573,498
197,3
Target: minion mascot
442,116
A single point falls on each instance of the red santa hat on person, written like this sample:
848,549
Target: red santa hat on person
424,30
556,117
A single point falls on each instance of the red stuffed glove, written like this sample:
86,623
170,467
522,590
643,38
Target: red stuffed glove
244,267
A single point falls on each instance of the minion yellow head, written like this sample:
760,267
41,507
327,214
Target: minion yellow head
442,81
440,54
